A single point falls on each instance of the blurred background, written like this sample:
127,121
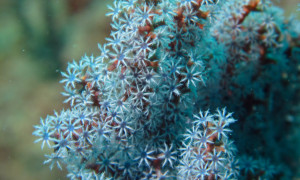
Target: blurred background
37,39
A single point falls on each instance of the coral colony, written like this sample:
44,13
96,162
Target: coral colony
152,105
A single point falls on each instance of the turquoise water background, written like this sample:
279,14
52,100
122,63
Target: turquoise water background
37,39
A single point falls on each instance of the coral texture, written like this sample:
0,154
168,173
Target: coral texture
139,109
